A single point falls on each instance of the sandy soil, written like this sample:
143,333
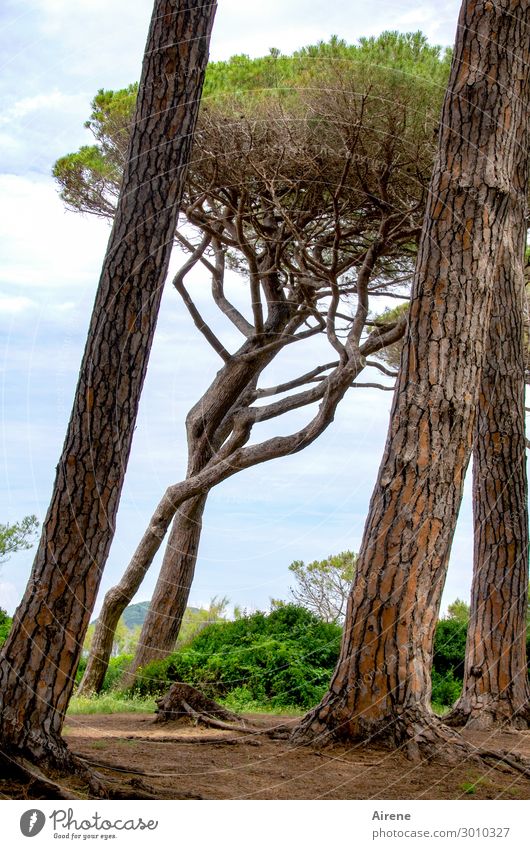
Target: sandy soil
168,760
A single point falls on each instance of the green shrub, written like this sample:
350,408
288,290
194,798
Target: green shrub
450,648
446,688
115,670
284,658
5,626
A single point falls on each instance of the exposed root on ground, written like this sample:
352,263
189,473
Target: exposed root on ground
65,776
417,735
183,701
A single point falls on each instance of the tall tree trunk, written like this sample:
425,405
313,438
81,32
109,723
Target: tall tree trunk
40,657
496,686
381,685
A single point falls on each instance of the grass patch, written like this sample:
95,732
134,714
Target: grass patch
440,710
255,706
111,703
470,786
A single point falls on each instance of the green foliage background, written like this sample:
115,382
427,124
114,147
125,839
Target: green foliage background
285,659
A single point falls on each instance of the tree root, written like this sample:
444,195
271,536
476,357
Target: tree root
485,717
37,784
65,776
182,698
185,702
511,759
211,721
414,734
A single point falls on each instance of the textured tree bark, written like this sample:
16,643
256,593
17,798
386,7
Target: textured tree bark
381,686
170,598
496,689
40,657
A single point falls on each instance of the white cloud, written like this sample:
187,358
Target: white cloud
15,305
41,246
27,105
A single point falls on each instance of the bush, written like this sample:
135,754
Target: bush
5,626
116,668
446,689
285,658
450,648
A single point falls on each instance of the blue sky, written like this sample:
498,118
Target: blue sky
56,55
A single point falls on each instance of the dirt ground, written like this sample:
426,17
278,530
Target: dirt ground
168,760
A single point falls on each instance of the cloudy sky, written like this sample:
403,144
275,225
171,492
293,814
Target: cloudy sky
55,56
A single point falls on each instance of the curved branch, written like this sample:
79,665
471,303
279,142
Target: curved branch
237,319
200,323
382,368
373,386
292,384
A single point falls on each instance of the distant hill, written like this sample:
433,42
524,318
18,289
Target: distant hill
135,614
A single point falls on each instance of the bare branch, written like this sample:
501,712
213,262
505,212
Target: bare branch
282,342
377,340
178,283
181,239
373,386
257,306
237,319
292,384
382,368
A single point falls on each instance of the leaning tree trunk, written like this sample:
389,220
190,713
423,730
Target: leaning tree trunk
496,687
170,598
381,685
40,657
208,426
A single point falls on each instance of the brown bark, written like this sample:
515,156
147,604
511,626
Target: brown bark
170,598
496,689
40,657
381,685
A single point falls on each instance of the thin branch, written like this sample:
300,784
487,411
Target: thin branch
376,340
189,247
201,325
237,319
373,386
382,368
257,306
281,342
292,384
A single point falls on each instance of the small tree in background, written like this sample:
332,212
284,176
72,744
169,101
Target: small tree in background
195,620
458,611
13,538
323,586
17,537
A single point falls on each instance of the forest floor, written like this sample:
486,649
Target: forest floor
228,765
